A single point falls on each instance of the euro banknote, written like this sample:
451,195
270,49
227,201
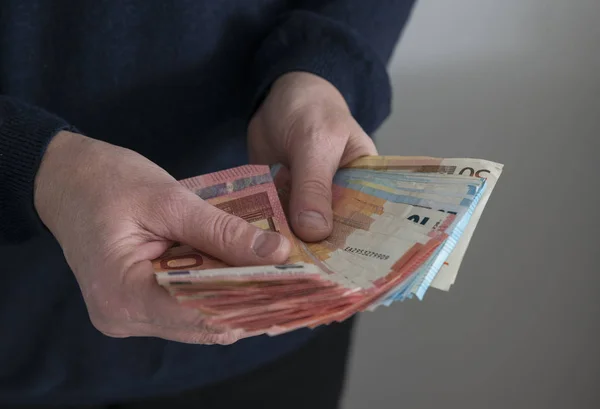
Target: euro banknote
474,168
400,223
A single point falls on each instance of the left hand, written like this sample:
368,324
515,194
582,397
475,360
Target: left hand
305,124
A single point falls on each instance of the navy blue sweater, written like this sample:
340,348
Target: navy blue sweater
176,81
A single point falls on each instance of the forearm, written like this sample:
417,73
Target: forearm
25,132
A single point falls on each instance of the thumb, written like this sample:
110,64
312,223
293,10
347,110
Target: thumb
313,167
192,221
312,171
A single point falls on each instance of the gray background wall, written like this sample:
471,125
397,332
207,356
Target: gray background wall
517,82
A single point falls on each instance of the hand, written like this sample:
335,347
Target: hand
305,124
112,211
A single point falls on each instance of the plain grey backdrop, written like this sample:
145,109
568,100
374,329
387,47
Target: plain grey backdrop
517,82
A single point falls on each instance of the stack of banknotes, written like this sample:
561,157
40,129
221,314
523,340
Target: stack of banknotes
401,225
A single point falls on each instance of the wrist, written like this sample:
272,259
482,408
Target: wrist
59,164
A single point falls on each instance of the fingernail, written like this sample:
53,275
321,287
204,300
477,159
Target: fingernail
266,243
312,220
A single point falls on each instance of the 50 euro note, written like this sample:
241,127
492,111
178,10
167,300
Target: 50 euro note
445,193
480,168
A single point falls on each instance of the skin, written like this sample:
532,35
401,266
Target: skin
112,210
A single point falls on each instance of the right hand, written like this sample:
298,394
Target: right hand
112,211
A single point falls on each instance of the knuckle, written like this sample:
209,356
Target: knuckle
204,338
227,230
317,125
108,327
228,338
328,124
316,187
110,317
327,135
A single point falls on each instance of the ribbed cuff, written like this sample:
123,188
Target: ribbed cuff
25,132
305,41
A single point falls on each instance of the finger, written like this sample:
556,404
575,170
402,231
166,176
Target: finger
257,141
190,336
229,238
359,144
152,311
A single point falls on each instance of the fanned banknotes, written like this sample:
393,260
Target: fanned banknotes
401,225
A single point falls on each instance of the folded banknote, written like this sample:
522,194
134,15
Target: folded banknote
401,225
